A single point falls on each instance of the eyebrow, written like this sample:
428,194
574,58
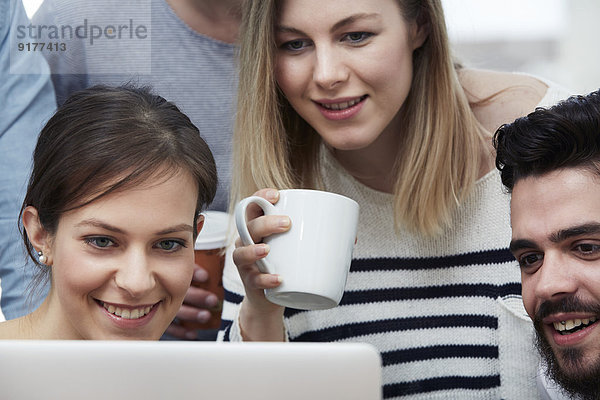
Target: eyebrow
578,230
558,236
176,228
340,24
99,224
519,244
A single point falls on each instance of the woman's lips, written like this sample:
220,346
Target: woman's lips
340,109
128,317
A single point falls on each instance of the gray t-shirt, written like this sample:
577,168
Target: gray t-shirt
143,42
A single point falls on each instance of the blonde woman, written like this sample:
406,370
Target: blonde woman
362,98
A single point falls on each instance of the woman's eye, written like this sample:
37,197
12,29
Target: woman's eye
100,242
357,37
170,245
530,260
295,45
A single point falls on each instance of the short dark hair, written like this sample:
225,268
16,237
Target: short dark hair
103,133
563,136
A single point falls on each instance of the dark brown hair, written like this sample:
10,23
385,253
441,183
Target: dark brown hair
105,133
566,135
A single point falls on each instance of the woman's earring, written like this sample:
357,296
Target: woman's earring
42,257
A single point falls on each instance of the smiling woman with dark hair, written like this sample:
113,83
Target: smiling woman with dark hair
110,216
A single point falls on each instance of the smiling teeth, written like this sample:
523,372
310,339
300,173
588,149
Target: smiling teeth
341,106
127,313
572,323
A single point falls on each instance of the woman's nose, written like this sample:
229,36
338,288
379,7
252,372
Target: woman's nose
135,274
330,69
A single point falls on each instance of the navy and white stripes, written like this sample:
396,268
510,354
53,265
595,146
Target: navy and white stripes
444,311
434,339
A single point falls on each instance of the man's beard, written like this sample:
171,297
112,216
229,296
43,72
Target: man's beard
575,377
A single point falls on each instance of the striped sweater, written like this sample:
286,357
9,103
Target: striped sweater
445,313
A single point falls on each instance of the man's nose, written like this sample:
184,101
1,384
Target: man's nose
556,277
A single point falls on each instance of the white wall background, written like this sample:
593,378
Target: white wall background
550,38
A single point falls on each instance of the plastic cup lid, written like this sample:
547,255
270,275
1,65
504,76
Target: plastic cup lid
214,232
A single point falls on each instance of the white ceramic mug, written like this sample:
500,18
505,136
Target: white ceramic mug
313,257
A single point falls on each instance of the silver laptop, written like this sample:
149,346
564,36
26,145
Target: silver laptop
65,370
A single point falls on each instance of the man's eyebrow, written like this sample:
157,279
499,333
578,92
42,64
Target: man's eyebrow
519,244
340,24
558,236
578,230
99,224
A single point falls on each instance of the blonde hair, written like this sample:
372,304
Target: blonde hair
439,158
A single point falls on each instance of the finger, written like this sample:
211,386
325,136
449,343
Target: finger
265,281
269,194
200,298
200,274
253,210
248,255
254,279
193,314
267,225
181,333
254,284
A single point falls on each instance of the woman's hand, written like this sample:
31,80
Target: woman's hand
259,318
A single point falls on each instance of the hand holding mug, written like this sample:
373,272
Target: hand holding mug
312,255
245,256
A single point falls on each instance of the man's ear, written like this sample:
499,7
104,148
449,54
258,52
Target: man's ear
37,235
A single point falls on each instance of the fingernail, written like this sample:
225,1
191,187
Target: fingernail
277,279
200,275
211,301
261,249
203,316
284,222
272,195
190,335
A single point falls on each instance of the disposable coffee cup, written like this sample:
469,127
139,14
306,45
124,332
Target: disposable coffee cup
313,257
209,253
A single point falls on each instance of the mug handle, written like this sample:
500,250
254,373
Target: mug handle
242,227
